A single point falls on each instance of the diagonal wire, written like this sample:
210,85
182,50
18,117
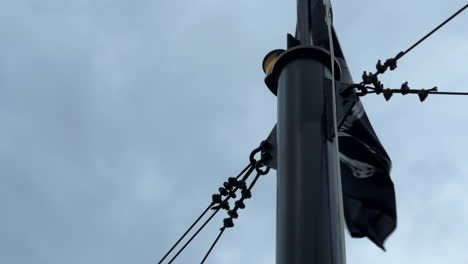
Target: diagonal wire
213,245
186,232
197,220
194,235
250,168
448,93
224,227
403,53
430,33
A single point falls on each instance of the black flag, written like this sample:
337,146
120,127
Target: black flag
368,191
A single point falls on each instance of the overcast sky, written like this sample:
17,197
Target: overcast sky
120,118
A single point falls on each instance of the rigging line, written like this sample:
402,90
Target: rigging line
186,232
449,93
212,245
392,61
250,168
244,170
224,227
417,91
196,221
337,181
401,54
193,236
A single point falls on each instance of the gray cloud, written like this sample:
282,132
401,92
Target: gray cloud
119,119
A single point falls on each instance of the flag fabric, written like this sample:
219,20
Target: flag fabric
368,191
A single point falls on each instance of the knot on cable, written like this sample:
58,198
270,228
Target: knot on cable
389,63
228,185
387,93
224,205
423,93
233,184
404,88
233,214
227,191
240,204
369,78
228,222
223,191
233,181
246,194
216,198
219,203
242,185
378,87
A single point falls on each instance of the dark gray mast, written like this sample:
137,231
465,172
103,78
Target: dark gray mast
309,204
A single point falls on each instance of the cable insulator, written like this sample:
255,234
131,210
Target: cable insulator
233,181
404,88
224,205
380,68
246,194
233,214
223,191
242,185
391,63
422,95
365,78
240,204
227,185
228,223
216,198
232,194
387,94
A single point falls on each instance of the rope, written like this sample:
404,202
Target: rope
186,232
194,235
246,193
400,55
378,87
404,90
228,222
392,62
194,223
225,201
228,190
212,245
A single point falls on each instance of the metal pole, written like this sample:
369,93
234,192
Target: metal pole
309,204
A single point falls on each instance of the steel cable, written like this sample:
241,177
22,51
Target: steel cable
198,219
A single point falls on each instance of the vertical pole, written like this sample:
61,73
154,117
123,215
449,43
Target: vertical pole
309,203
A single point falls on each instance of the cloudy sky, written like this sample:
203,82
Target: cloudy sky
120,118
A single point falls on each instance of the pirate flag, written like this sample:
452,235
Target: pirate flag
368,192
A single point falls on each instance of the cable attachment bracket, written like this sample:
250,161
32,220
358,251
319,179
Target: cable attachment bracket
264,149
